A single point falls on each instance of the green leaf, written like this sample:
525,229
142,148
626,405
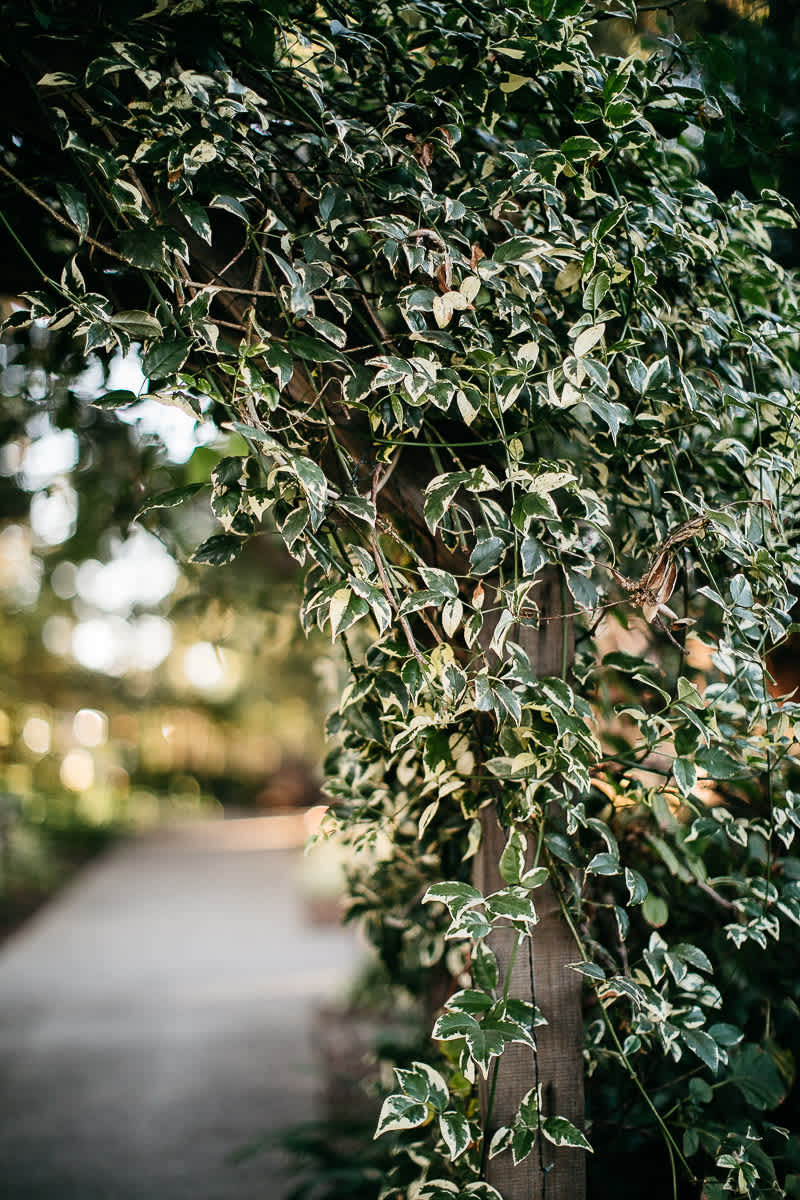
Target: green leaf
621,112
417,600
688,693
197,218
470,924
280,362
514,903
232,205
685,774
703,1046
694,955
582,590
579,148
440,581
470,1000
346,608
57,79
529,1109
611,414
658,374
359,507
452,1025
486,555
589,969
439,494
604,864
595,291
165,358
313,349
741,592
512,860
535,877
484,967
439,1189
636,372
75,206
423,1084
533,555
400,1112
457,896
655,910
313,479
562,1132
412,1084
726,1035
700,1091
636,885
118,398
170,498
514,249
587,339
522,1142
137,323
754,1074
456,1132
218,550
718,763
146,248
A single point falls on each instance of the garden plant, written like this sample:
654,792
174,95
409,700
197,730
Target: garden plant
519,392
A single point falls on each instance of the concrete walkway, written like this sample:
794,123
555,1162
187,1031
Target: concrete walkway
159,1015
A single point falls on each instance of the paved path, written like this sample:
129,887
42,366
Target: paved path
159,1015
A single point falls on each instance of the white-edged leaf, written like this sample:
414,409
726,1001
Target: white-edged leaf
512,860
401,1112
137,323
535,877
169,499
339,603
562,1132
589,969
456,1132
455,895
587,338
427,816
637,886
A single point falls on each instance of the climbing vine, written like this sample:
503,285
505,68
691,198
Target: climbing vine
498,366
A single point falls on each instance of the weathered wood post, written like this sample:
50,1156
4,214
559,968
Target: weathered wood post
558,989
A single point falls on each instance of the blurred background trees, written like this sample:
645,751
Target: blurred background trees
135,686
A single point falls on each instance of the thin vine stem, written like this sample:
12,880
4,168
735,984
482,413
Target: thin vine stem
672,1147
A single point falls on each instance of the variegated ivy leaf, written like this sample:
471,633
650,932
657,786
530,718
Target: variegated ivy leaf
169,498
512,860
562,1132
515,904
456,895
535,877
445,1189
484,967
401,1112
481,1191
421,1082
456,1132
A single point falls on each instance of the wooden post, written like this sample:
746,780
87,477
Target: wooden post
558,990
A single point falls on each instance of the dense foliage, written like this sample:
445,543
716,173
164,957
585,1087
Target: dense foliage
502,360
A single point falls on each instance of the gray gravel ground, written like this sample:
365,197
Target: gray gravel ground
157,1016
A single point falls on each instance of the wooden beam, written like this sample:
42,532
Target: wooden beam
557,989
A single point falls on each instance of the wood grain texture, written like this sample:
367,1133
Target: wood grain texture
558,989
